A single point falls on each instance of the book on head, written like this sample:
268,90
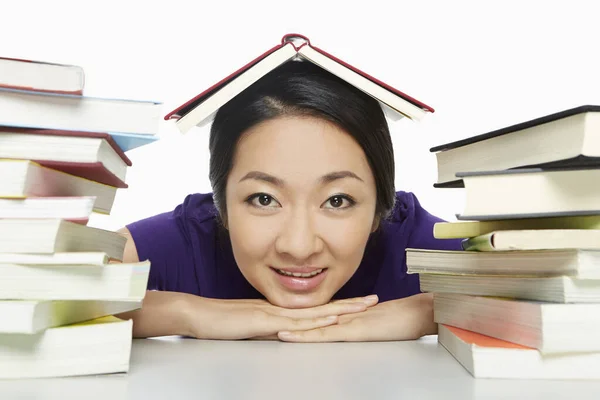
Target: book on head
293,47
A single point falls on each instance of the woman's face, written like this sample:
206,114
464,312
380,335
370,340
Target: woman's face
300,207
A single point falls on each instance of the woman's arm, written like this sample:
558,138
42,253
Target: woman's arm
163,313
170,313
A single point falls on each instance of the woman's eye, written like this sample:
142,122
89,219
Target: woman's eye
262,200
339,202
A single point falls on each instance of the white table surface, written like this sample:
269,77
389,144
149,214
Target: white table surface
177,368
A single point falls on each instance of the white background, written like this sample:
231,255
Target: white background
481,64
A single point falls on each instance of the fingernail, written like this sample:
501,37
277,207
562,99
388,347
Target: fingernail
331,318
371,297
285,333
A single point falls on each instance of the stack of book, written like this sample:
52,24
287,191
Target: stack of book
62,157
523,298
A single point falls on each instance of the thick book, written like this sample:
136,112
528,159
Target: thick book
20,179
57,258
487,357
567,137
41,76
555,289
531,193
99,346
55,235
42,110
550,328
468,229
90,155
33,316
114,281
577,263
73,209
293,47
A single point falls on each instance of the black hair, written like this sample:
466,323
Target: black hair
300,88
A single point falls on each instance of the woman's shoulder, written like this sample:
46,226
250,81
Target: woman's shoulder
415,224
196,210
174,240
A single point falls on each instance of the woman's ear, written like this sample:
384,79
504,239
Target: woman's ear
223,219
376,221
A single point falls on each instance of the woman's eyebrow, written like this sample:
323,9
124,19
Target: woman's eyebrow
333,176
262,176
324,180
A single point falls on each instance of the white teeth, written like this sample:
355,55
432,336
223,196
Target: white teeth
299,274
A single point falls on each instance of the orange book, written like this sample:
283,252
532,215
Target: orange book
486,357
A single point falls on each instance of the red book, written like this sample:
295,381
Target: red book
91,155
201,108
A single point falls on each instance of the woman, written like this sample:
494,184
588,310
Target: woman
304,235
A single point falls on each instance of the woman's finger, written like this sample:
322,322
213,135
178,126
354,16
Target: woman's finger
335,308
278,323
333,333
372,299
323,311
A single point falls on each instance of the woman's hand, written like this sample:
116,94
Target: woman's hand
403,319
258,319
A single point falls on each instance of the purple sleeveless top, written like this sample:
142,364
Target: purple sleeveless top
189,252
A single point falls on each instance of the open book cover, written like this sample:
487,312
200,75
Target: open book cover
200,109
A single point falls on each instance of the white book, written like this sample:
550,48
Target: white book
28,109
33,316
487,357
77,258
101,346
530,193
61,150
577,263
23,178
41,76
54,235
115,281
551,328
74,209
565,138
556,289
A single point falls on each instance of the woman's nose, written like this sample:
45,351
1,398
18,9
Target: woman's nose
298,237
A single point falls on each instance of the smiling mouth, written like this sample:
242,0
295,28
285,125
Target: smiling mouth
300,274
